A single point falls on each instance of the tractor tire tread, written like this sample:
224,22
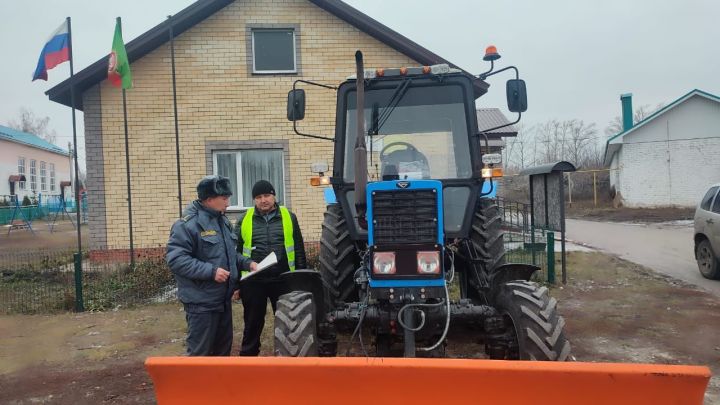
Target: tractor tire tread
538,325
338,257
295,327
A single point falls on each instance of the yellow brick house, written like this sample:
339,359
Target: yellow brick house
235,63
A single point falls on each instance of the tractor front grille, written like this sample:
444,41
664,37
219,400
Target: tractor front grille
404,216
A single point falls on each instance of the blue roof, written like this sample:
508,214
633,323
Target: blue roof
13,135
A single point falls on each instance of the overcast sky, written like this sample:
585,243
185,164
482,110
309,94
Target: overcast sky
577,57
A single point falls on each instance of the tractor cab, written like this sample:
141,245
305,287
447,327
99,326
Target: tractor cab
420,125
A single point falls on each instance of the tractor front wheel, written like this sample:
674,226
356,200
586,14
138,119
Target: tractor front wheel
528,310
295,325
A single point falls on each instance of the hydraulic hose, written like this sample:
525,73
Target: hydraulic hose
447,324
422,319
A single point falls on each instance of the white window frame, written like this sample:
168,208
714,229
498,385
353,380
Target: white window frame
21,171
270,72
33,175
43,176
243,205
52,177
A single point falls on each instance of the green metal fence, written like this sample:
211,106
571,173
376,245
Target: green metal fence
523,243
44,282
42,207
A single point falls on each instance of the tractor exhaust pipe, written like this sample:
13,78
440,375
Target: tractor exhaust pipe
360,151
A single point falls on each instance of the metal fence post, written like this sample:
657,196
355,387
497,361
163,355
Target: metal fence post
550,257
532,244
79,305
595,188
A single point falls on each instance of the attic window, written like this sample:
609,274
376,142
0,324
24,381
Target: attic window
274,51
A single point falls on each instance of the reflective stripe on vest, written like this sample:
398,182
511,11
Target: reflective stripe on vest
246,230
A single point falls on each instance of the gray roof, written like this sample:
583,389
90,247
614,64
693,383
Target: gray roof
202,9
561,166
492,117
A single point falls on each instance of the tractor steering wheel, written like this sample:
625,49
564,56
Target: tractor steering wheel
408,154
408,147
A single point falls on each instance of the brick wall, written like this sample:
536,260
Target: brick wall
669,173
219,101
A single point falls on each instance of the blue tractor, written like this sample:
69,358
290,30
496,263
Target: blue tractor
408,220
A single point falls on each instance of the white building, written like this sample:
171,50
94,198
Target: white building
669,158
43,165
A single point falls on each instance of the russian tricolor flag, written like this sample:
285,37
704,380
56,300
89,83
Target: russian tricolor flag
55,52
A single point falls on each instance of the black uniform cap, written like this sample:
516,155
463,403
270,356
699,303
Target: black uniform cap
213,186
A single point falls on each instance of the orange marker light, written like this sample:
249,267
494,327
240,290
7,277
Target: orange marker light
491,53
490,172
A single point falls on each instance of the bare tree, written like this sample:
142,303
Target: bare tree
582,137
615,126
28,122
553,137
572,140
514,150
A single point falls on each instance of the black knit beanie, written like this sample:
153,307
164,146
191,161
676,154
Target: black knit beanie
262,187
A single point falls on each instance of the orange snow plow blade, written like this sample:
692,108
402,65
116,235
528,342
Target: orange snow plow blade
355,380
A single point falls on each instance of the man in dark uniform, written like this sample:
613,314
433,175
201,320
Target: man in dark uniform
263,229
202,255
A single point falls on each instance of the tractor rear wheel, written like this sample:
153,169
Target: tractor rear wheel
529,311
487,234
295,325
338,257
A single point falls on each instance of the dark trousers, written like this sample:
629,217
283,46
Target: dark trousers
254,296
210,333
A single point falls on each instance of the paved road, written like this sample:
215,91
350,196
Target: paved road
665,248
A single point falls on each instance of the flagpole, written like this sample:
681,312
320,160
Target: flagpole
177,130
78,257
127,172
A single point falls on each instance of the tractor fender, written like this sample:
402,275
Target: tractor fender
310,281
509,272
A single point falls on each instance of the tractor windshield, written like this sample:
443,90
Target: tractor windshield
413,133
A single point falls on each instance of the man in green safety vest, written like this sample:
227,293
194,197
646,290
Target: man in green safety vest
266,228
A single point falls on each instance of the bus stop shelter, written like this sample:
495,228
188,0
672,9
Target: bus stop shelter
547,207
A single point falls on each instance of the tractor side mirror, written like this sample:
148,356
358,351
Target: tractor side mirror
516,95
296,105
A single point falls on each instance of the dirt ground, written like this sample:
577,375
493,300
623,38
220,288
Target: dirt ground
586,210
64,236
616,311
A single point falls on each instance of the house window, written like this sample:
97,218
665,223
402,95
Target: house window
245,167
21,171
33,175
274,51
43,176
52,177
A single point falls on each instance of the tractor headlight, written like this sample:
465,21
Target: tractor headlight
384,263
428,262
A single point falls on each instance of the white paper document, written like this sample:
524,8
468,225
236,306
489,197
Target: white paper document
269,261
